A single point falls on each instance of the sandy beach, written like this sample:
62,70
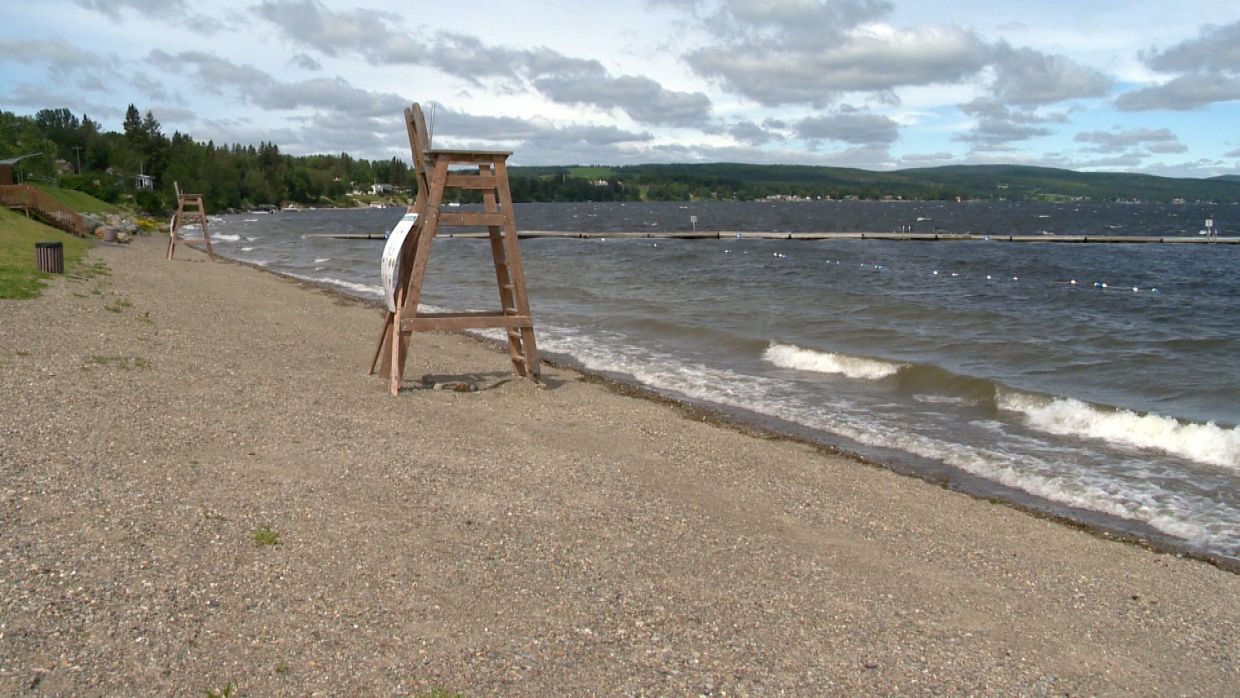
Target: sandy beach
517,540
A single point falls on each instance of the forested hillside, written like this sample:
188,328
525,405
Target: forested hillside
77,153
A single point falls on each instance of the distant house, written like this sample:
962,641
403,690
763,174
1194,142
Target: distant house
144,182
381,189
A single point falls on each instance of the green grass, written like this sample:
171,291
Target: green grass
19,277
79,201
118,305
591,172
90,270
266,536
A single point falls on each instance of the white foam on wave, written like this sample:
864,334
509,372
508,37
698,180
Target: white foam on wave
320,260
364,289
1185,516
225,237
247,249
943,400
794,357
1188,517
1201,443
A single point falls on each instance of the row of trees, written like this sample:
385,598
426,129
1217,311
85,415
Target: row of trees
79,154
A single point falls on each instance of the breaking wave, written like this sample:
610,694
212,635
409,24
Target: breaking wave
796,358
1203,443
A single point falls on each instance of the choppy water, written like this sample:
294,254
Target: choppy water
976,363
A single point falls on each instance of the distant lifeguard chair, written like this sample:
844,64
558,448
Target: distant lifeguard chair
188,204
487,172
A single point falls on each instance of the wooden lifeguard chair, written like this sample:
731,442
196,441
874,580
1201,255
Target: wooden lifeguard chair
188,204
438,170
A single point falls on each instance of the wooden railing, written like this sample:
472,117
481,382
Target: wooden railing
39,205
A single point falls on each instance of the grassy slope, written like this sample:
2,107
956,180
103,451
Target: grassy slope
19,278
79,201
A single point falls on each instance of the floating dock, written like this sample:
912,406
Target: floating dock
902,237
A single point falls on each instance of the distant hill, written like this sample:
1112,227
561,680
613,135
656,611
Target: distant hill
1015,182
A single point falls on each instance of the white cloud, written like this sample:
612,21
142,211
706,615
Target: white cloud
660,80
1210,73
1214,49
1115,141
775,71
849,125
1183,93
1027,77
997,125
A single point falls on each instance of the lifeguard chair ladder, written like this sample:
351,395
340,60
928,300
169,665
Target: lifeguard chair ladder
438,170
188,204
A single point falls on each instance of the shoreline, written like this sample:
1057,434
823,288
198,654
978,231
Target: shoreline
892,237
510,541
1104,526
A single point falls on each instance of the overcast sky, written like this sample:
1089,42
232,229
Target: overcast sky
1133,85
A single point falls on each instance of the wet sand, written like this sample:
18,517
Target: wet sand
515,540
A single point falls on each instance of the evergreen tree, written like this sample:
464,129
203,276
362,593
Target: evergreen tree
133,127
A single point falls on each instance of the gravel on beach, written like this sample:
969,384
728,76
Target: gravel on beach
201,487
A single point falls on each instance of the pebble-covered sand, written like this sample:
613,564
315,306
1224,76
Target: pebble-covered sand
160,421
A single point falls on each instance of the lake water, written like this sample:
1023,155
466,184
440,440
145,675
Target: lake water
1096,382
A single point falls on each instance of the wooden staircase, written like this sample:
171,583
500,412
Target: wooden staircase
37,204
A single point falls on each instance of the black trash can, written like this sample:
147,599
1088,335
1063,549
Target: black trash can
50,257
